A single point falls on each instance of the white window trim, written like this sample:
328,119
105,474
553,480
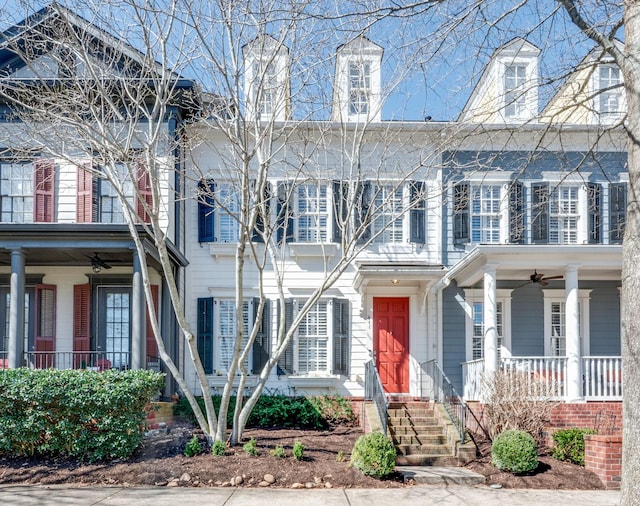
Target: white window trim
555,295
607,118
217,368
556,180
493,178
472,295
298,303
329,212
529,88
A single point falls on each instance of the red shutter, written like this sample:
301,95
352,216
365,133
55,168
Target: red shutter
84,204
81,324
45,338
152,347
143,195
44,179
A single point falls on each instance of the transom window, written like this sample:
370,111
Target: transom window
387,221
16,192
514,94
485,214
226,331
312,213
359,86
564,215
610,91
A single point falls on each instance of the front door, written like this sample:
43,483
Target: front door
391,342
114,327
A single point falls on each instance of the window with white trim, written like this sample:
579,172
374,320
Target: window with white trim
359,87
474,299
228,208
16,192
265,88
312,213
226,331
110,208
486,213
610,92
312,340
387,223
555,322
564,215
515,97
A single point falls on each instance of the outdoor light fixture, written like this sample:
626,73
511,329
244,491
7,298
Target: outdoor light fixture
97,264
394,281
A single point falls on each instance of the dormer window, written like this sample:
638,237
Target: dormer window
359,87
265,92
515,96
610,91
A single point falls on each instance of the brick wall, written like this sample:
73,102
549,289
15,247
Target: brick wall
603,456
604,417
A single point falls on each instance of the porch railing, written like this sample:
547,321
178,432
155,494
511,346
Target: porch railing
601,376
434,381
373,391
91,360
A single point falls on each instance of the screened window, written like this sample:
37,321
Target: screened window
359,87
387,215
564,215
514,96
312,213
610,91
485,214
16,192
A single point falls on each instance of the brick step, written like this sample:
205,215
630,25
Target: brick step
415,429
428,449
418,440
421,413
415,404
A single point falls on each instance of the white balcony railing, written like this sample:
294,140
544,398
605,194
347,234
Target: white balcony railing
601,376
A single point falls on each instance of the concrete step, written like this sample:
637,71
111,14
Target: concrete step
436,475
431,430
418,440
410,422
424,449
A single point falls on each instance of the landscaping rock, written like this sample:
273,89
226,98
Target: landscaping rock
269,478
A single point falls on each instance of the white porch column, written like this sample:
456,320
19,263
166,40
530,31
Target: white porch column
489,319
572,329
138,318
16,310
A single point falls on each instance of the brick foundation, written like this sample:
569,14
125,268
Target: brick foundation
603,456
604,417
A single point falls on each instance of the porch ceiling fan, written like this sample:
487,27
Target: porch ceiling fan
97,264
540,279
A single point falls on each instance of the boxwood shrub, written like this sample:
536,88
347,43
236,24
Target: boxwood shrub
83,414
514,451
374,455
570,445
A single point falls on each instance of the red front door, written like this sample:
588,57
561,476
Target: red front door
391,342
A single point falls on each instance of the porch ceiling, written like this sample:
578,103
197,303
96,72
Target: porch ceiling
389,274
516,262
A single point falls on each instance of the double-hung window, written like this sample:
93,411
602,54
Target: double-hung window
486,212
564,215
16,192
110,208
359,87
218,212
226,331
555,322
515,98
312,213
387,222
313,339
609,97
475,327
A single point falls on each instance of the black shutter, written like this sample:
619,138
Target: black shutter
206,211
284,217
461,205
205,333
594,200
285,362
617,211
261,344
362,212
417,214
540,213
262,219
516,213
341,324
340,208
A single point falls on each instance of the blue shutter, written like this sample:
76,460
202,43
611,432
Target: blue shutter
461,206
340,208
362,213
285,362
262,219
206,203
261,343
516,213
617,212
540,213
205,333
284,218
417,214
594,200
341,341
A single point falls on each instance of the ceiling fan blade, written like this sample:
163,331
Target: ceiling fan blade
542,282
553,277
105,265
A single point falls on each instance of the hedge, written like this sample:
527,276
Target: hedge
87,415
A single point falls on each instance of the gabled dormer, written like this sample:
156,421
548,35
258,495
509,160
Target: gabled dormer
592,95
266,79
357,94
507,91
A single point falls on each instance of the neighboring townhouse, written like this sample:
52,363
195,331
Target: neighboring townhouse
70,279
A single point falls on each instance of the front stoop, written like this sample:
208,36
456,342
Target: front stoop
431,475
422,436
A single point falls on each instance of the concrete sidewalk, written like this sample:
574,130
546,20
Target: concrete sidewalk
418,494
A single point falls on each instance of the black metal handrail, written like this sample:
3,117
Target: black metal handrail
373,391
435,381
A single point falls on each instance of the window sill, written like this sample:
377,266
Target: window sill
307,249
313,381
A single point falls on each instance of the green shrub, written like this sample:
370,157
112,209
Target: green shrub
514,451
218,448
81,414
298,450
193,447
278,451
250,447
570,445
374,455
334,409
